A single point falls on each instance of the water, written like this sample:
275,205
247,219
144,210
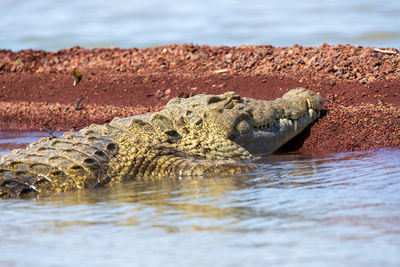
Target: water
56,24
295,210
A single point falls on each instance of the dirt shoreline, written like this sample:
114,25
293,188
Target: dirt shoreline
360,85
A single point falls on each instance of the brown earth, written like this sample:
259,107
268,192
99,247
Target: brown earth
360,85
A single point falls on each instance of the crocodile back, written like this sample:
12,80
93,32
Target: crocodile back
72,161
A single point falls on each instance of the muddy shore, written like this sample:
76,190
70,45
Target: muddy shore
360,86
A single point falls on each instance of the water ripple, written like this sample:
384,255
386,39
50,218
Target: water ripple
302,210
228,22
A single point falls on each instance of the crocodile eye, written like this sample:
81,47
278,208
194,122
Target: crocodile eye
230,105
243,127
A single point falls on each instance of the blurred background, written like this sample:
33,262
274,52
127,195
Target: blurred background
57,24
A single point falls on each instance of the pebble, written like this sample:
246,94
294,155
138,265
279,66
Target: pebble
33,81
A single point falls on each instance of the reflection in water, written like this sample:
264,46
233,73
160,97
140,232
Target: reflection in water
212,198
294,210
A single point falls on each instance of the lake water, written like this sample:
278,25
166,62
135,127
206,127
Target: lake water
56,24
295,210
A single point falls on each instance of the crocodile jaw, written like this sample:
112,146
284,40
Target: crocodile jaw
276,122
268,139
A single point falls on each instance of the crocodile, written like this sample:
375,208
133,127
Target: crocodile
201,135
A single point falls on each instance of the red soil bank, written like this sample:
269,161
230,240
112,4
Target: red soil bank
360,85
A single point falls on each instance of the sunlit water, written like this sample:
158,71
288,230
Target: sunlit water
56,24
295,210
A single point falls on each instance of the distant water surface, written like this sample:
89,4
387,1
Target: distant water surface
295,210
56,24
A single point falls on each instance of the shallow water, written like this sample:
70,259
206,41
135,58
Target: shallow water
56,24
295,210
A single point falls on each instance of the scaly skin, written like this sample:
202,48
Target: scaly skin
202,135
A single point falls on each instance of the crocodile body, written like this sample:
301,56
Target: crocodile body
196,136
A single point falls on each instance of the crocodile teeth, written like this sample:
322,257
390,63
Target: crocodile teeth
308,104
34,188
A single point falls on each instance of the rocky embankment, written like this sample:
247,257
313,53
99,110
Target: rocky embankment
72,88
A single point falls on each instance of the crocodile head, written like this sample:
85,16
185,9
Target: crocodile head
256,126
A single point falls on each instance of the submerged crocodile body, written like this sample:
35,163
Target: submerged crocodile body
200,135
